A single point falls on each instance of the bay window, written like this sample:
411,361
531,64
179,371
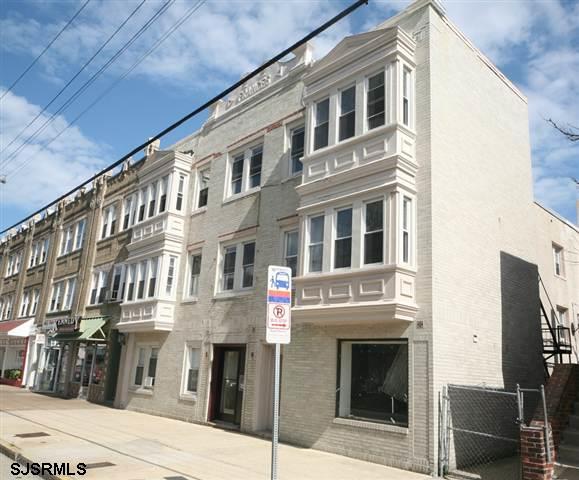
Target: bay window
406,230
347,120
171,274
316,243
245,170
153,268
322,124
375,101
343,239
237,267
195,271
191,370
406,96
373,381
140,278
297,137
291,240
116,292
180,192
374,232
163,193
132,272
142,272
152,199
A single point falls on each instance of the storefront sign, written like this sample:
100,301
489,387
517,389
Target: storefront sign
68,324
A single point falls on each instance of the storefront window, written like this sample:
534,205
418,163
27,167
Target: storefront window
98,371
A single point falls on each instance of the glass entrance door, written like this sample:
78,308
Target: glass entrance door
48,371
232,384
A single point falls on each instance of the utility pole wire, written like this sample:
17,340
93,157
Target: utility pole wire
45,49
100,49
166,35
198,110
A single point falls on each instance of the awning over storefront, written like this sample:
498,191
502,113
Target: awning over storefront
6,327
90,329
25,329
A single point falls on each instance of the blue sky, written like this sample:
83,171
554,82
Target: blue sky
535,43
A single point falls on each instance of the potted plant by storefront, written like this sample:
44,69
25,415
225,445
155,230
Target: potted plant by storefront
12,377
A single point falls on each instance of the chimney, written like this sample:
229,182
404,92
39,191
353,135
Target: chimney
152,147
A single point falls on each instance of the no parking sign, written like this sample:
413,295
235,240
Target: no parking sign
279,299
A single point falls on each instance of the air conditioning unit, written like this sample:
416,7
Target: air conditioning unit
149,381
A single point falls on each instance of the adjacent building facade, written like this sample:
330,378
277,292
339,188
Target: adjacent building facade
392,175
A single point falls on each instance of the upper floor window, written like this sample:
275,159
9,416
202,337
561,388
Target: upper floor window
297,136
6,306
558,260
291,241
130,207
563,316
98,287
131,276
375,101
245,170
374,232
347,122
14,262
25,303
143,193
72,237
343,241
38,253
171,274
406,230
203,177
316,243
237,270
140,279
62,295
152,199
195,271
180,192
118,285
406,83
322,124
109,224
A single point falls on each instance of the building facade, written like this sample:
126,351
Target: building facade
414,240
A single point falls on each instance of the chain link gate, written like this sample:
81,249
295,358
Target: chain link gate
480,432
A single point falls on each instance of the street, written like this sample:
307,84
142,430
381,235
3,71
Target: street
117,444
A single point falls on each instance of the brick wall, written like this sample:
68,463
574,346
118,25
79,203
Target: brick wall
534,454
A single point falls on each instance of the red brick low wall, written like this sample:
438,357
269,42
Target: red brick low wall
534,454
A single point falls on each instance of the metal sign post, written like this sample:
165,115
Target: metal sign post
278,331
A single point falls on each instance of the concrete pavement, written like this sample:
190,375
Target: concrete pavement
120,444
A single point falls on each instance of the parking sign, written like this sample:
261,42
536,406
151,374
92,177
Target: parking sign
279,300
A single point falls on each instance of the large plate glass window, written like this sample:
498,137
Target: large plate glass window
373,381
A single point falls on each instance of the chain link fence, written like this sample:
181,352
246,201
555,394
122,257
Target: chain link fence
480,431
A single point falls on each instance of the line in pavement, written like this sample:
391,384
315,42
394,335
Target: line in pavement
134,457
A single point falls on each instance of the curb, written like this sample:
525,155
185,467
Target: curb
13,452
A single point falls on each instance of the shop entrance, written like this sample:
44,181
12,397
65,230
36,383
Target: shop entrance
48,369
89,368
227,384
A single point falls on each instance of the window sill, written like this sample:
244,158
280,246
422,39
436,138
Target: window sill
368,425
199,211
58,312
142,391
233,294
188,397
561,277
241,195
69,253
293,177
190,300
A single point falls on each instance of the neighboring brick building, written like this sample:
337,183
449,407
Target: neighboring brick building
393,176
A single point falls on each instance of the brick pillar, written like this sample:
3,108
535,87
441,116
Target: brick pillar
534,453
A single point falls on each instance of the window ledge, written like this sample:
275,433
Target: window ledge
561,277
188,397
238,196
190,300
381,427
233,294
293,177
199,211
142,391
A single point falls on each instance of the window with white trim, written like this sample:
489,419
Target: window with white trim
237,266
297,142
138,280
322,124
38,253
98,287
373,381
558,260
190,379
290,249
171,274
109,223
145,369
245,170
131,279
343,238
180,192
375,101
563,316
62,295
374,232
72,237
194,273
152,200
129,211
34,301
153,271
117,283
406,86
203,177
24,303
316,243
14,262
163,193
347,120
142,279
143,192
407,226
6,306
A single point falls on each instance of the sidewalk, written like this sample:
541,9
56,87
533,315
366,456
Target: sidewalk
134,446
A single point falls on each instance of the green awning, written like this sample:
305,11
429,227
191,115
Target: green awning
90,329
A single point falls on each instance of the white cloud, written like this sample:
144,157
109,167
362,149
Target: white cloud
51,171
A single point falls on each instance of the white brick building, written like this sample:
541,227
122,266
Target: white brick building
394,176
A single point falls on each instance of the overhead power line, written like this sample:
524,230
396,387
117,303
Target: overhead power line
158,43
200,109
45,49
87,63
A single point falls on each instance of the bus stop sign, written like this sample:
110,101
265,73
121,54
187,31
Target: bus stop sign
279,302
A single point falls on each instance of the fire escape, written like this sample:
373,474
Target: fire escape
556,336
